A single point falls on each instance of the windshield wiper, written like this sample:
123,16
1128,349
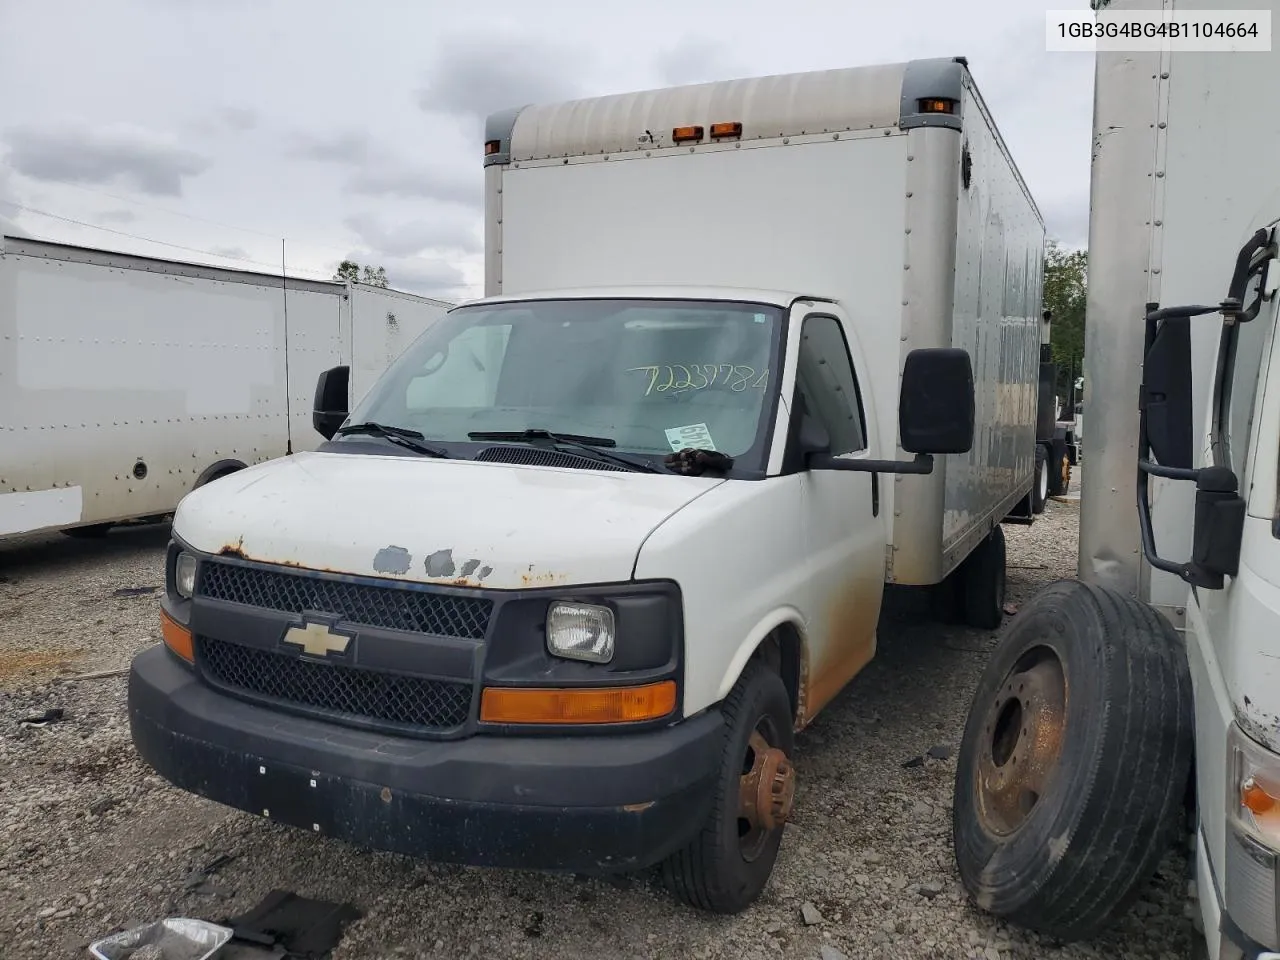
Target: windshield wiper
585,444
401,437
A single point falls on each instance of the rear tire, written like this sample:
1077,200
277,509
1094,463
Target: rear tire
727,865
1064,806
983,582
1060,473
1040,488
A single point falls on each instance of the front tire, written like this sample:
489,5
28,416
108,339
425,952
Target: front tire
727,865
1065,804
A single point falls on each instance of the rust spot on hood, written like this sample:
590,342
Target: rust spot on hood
234,549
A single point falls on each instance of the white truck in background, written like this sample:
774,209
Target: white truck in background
564,584
1119,707
126,381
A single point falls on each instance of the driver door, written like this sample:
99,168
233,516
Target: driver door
844,520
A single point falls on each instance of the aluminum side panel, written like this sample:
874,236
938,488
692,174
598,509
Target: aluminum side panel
929,256
383,324
1126,104
994,310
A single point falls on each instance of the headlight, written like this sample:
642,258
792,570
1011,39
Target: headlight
184,575
580,631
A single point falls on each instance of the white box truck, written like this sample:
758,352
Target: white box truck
1146,695
562,587
126,381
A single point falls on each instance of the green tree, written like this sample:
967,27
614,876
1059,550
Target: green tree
349,270
1065,283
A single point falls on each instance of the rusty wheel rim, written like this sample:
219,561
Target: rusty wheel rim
1022,741
766,790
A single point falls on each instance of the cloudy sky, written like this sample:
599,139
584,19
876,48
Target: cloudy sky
208,130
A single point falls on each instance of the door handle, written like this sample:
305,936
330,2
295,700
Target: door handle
875,494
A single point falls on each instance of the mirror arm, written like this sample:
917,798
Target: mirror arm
922,464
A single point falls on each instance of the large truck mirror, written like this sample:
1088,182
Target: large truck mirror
330,407
1166,393
936,408
1219,527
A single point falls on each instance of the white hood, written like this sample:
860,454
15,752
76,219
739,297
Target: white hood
435,521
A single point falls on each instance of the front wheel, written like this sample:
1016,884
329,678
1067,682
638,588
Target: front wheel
727,865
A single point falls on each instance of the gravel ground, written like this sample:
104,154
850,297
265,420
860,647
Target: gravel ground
91,841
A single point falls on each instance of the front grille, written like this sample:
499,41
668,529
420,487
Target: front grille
334,688
392,607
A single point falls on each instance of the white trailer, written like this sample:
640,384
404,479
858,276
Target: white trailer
1064,803
126,382
720,477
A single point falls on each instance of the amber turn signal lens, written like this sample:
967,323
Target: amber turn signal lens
719,130
177,637
582,705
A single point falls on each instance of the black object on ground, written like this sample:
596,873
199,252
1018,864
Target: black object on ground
52,715
305,928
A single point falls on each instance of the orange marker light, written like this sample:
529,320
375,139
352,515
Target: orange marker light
686,134
177,638
721,130
1256,798
937,105
581,705
491,147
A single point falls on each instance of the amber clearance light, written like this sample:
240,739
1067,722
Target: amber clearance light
937,105
650,701
686,134
177,637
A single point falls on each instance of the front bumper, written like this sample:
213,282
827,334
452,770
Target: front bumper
586,803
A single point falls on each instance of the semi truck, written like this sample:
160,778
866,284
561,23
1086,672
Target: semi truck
127,381
1120,707
560,590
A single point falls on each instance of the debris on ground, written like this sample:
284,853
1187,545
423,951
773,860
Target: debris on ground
304,927
52,715
174,939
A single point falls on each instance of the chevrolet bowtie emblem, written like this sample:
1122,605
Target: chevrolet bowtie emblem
317,639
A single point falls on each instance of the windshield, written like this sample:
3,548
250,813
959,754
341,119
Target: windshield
655,376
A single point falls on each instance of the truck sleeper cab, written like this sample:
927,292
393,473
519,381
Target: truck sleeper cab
494,620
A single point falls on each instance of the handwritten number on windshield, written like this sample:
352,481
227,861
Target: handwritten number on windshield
699,376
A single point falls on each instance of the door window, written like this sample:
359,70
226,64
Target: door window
826,384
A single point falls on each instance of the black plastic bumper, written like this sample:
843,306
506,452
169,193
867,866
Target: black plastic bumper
589,803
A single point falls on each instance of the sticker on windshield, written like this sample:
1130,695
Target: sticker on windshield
696,436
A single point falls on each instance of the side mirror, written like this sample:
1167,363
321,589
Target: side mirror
1219,528
330,407
1166,393
936,405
